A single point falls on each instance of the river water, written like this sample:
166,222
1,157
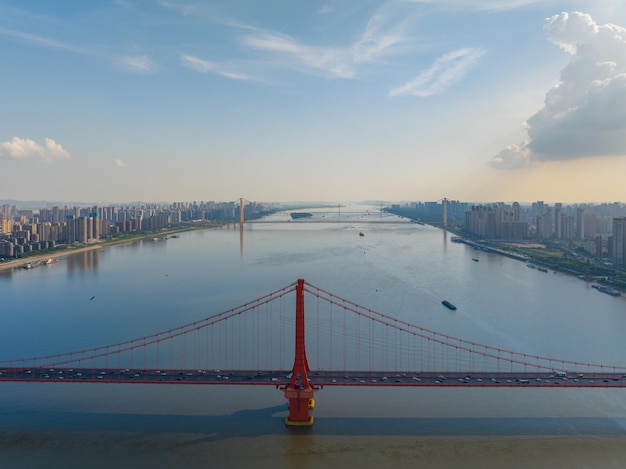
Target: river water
404,270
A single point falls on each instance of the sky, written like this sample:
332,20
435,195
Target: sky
334,100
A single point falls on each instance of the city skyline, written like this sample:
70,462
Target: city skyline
329,101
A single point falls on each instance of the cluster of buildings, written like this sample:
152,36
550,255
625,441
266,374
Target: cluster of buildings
31,230
598,228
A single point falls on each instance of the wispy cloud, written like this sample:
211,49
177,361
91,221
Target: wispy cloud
334,62
382,36
331,61
185,9
204,66
38,40
197,63
442,74
24,148
325,10
482,5
378,38
138,63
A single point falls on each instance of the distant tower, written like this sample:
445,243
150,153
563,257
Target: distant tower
241,212
445,212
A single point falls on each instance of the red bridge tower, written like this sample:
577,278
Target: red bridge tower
299,391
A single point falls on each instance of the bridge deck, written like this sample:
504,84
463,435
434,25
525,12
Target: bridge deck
317,378
299,222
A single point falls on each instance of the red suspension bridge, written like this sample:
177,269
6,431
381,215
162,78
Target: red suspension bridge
337,343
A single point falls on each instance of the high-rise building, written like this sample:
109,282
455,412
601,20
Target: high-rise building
568,227
495,222
619,241
517,212
558,220
580,223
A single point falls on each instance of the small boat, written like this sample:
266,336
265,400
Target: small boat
474,259
361,234
448,305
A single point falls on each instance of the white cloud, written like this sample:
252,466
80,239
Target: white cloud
119,163
204,66
382,36
443,73
513,157
570,30
482,5
325,10
184,9
585,114
19,148
138,63
333,61
378,38
38,40
196,63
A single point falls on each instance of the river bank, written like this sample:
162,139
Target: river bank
40,258
17,263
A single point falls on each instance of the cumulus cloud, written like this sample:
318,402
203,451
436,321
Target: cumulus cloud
584,115
20,148
443,73
119,163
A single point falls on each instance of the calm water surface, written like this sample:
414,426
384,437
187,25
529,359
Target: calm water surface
401,270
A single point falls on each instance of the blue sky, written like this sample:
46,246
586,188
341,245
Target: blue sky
164,100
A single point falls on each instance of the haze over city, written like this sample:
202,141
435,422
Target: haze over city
475,100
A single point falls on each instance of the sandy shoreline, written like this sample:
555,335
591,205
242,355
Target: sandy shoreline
17,263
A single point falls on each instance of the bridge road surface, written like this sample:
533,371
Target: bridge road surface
317,378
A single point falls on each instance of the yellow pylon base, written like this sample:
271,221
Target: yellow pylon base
307,423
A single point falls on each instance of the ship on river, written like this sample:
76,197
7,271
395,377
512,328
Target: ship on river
297,215
607,290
